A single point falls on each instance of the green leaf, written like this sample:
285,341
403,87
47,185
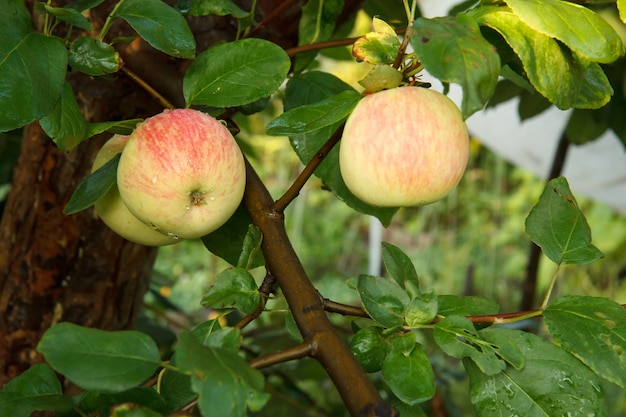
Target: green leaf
175,390
370,348
251,247
318,20
409,376
311,87
120,127
66,124
422,309
92,188
558,226
552,70
309,117
399,266
32,69
98,360
531,105
233,288
316,24
401,342
227,242
36,389
93,57
590,37
594,330
381,77
235,73
65,14
160,25
132,410
89,401
586,125
210,7
226,385
376,48
82,5
16,22
466,305
551,383
453,50
457,337
382,299
621,7
210,333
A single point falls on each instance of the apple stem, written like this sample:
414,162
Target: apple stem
294,190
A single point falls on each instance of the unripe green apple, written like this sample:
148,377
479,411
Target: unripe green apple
182,173
403,147
114,212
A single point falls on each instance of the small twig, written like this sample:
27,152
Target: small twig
277,12
504,317
164,102
333,43
343,309
294,190
316,46
299,351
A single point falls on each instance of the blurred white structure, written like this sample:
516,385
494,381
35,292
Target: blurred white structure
596,170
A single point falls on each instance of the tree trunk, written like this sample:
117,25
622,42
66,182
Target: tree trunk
55,267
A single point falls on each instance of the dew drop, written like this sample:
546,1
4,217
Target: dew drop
212,198
155,180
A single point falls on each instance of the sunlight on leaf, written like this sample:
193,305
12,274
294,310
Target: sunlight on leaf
551,383
585,32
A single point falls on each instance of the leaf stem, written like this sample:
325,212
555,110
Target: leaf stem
294,190
277,12
109,21
546,299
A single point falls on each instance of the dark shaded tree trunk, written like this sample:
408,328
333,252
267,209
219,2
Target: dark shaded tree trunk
55,267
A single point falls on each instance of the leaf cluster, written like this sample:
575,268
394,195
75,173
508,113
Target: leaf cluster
529,44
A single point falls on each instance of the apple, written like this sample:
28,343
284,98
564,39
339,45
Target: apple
114,212
182,173
407,146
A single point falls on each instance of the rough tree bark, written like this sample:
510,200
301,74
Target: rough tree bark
55,267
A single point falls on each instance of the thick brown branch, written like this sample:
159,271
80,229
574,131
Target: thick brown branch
357,391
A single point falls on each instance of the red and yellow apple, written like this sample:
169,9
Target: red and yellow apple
407,146
114,212
182,173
